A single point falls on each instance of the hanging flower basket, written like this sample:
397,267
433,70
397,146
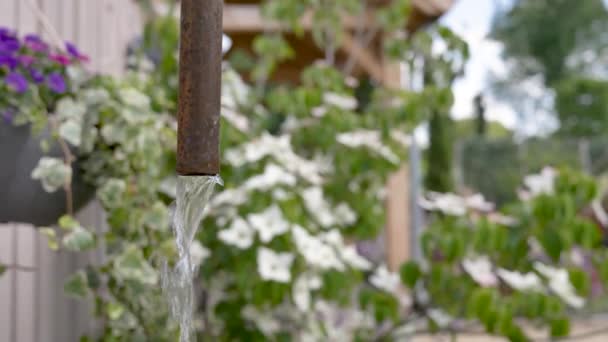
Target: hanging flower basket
33,78
24,199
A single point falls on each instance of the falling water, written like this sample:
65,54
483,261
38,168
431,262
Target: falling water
193,193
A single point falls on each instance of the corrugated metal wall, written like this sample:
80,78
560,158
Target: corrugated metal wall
33,307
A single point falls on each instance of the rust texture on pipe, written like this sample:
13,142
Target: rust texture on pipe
199,88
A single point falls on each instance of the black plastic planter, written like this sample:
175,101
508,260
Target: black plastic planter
22,199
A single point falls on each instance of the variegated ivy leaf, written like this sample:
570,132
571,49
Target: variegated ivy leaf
67,108
71,131
51,237
114,310
52,173
157,216
95,96
134,98
77,75
131,265
76,285
114,134
79,239
111,192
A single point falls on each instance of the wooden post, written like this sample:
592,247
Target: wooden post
397,233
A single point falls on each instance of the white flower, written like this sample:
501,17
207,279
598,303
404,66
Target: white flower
239,234
269,223
273,176
478,202
319,112
521,282
232,197
369,139
316,205
274,266
280,149
448,204
280,194
198,253
301,290
542,183
385,280
351,257
440,317
402,138
267,324
345,214
238,120
451,204
340,101
502,219
315,251
480,269
559,282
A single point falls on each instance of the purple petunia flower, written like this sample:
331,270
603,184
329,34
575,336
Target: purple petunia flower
34,43
26,60
37,75
8,61
16,82
61,59
7,115
8,41
56,83
74,52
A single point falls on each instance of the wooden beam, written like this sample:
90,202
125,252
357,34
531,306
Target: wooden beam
363,57
248,18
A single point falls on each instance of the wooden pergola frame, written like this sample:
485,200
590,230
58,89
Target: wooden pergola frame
247,18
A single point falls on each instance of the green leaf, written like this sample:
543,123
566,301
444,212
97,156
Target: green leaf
131,265
71,131
111,193
76,285
580,281
114,310
67,222
560,327
79,239
2,269
53,173
552,243
410,273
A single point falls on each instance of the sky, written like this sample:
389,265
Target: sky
472,20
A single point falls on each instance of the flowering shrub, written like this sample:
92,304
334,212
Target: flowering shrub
305,168
537,263
34,74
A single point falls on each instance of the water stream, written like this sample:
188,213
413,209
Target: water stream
193,193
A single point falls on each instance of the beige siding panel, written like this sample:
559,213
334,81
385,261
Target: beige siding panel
25,18
6,280
7,13
25,305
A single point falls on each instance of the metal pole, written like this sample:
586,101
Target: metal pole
199,87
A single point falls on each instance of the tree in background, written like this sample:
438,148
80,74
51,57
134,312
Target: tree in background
558,40
582,107
439,155
440,73
480,115
542,35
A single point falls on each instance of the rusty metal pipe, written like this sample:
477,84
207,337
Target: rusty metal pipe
200,73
